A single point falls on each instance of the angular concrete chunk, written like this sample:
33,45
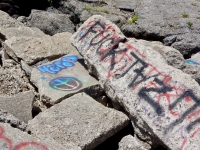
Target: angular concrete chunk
33,50
63,77
19,105
79,119
132,143
14,139
6,21
21,32
163,102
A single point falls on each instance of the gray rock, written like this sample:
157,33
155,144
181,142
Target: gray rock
112,16
13,79
162,102
50,23
6,117
32,50
62,78
12,138
132,143
79,119
80,11
19,105
162,21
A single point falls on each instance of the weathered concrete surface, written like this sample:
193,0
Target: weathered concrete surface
62,78
174,58
19,105
6,21
14,139
21,32
33,50
13,79
132,143
79,119
6,117
162,102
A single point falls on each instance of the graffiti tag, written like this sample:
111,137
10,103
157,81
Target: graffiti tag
56,66
65,83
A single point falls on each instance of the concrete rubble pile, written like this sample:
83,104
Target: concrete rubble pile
73,91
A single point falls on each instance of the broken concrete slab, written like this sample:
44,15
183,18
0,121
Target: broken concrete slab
13,79
21,32
19,105
162,102
79,119
34,50
6,117
6,21
14,139
132,143
62,78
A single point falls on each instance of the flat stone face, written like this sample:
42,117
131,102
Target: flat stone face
14,139
21,32
33,50
19,105
62,78
6,21
79,119
132,143
161,100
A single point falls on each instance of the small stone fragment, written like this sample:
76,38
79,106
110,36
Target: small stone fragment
132,143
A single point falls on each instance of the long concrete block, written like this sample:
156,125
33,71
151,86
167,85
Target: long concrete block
162,102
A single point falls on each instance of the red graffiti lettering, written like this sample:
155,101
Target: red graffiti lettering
20,145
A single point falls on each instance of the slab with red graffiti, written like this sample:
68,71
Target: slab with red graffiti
139,78
14,139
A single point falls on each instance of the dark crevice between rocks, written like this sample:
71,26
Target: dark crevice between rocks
99,2
35,111
112,142
191,52
143,35
126,9
2,38
1,63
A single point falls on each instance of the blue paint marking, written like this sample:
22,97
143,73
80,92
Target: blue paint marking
56,66
43,78
192,62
